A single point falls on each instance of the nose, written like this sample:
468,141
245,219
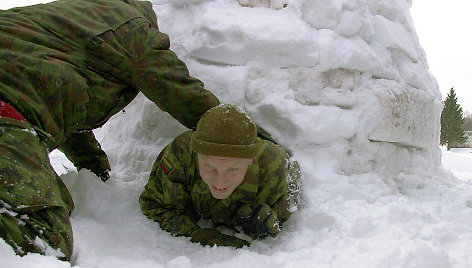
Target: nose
219,181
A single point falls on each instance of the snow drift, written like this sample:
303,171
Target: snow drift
344,85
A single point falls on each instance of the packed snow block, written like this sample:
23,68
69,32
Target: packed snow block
297,125
388,9
249,36
339,52
301,105
412,73
407,116
351,23
254,3
392,10
337,87
227,82
322,14
394,35
178,3
277,4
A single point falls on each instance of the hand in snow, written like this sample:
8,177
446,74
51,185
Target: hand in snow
211,237
99,167
100,170
257,220
103,175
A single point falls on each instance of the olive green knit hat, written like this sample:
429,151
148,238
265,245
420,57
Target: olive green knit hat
226,131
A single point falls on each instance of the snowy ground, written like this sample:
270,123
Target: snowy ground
459,161
428,227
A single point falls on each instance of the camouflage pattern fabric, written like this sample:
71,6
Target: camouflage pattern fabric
177,198
84,151
211,237
67,67
70,65
257,220
33,200
47,231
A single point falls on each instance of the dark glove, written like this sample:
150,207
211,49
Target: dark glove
257,220
102,175
99,167
207,236
84,151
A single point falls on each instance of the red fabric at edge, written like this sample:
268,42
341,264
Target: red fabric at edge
6,110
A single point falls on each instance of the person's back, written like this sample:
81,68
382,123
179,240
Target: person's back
71,64
44,67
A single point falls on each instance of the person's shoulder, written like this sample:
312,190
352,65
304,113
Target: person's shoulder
181,144
184,138
269,149
271,157
178,156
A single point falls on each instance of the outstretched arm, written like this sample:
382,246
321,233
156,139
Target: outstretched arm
138,54
164,79
82,149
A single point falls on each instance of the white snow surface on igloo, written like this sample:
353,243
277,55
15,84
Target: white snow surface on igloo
345,87
314,73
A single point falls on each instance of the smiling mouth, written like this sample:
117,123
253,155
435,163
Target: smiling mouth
220,189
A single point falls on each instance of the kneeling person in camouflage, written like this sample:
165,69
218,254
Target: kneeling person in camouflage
224,173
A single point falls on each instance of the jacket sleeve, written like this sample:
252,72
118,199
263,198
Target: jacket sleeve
292,197
165,80
277,182
158,73
84,151
273,204
166,198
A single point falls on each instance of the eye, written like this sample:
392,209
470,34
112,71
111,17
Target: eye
208,167
233,169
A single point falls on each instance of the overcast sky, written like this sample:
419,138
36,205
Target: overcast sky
444,29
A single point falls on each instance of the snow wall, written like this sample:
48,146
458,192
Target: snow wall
342,84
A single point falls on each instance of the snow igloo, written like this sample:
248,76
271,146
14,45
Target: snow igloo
342,84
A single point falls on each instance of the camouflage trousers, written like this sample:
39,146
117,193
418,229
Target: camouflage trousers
34,203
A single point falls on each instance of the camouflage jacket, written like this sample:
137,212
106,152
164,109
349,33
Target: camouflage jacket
177,198
69,65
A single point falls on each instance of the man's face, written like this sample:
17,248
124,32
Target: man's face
222,174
